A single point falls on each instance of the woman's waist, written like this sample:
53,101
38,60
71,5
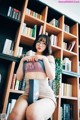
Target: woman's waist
35,75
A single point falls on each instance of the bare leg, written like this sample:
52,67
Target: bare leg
40,110
19,110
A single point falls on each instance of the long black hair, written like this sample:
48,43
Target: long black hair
48,49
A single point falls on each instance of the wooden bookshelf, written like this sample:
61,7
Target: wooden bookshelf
9,63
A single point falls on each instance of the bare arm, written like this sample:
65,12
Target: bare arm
19,72
49,63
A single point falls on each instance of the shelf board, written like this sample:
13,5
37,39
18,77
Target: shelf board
73,74
69,36
69,98
16,91
9,57
33,20
27,40
55,48
52,29
68,53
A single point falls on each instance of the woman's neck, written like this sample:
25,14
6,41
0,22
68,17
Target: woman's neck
38,53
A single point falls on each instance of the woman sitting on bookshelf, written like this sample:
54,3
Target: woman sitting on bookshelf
40,66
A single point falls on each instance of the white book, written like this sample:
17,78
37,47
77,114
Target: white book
8,109
69,90
19,52
17,85
40,31
51,39
23,27
7,46
9,11
52,22
55,40
13,101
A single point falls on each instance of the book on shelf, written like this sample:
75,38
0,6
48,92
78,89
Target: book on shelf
16,85
10,106
67,111
54,22
19,52
40,30
66,89
71,45
34,31
64,45
23,86
8,47
23,27
10,11
53,39
34,14
67,28
14,13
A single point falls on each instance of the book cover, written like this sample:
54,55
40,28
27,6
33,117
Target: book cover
33,90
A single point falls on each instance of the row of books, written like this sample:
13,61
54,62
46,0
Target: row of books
66,111
28,31
9,46
10,107
54,22
66,89
34,14
67,28
69,45
14,13
16,84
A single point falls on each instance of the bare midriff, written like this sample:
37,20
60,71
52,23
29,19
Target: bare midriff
35,75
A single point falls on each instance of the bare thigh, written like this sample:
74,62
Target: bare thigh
19,110
41,109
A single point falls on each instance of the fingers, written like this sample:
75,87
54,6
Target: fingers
30,58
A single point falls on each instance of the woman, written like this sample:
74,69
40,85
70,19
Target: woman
43,108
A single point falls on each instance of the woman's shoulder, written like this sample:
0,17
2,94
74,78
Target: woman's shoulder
51,59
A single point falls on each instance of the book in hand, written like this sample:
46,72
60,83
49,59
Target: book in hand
71,45
33,91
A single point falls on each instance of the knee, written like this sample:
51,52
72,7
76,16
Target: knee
32,114
12,116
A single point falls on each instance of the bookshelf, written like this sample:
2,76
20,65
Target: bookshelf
40,14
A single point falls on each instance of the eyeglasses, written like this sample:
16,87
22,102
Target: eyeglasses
41,43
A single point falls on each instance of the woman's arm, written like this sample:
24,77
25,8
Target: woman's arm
19,72
49,63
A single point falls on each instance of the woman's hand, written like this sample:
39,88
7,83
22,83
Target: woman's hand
39,57
33,58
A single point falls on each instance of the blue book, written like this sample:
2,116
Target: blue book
33,91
